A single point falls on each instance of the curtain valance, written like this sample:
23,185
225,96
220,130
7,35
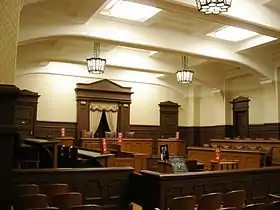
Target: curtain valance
107,107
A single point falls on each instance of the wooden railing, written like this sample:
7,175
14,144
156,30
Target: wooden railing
107,187
160,189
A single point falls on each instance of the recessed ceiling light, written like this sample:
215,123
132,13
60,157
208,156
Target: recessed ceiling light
234,34
130,10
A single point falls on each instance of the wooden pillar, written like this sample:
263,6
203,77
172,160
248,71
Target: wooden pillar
8,135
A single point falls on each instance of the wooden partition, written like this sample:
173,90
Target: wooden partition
103,186
264,143
247,159
144,146
155,190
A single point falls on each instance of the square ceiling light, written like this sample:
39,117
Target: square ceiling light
234,34
130,10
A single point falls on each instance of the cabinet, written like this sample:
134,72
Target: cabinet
26,113
168,119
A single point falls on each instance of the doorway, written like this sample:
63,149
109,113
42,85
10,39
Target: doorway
103,127
241,124
240,117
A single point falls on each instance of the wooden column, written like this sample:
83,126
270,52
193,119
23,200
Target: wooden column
8,135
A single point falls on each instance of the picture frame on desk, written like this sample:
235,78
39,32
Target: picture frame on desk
164,153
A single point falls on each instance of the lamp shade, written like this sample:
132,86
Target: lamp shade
184,76
96,65
213,6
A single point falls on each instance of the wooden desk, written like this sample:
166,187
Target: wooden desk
44,144
67,141
143,146
224,165
275,144
107,160
247,159
175,147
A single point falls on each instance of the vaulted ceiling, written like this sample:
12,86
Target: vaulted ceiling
65,30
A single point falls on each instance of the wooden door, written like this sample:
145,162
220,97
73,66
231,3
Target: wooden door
241,124
168,119
241,116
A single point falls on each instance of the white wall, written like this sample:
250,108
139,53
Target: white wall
56,83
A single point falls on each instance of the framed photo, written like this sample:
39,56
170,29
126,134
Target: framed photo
164,154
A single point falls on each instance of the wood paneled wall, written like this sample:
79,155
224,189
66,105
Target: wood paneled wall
195,136
46,128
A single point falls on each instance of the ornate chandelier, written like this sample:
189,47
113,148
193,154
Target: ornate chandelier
213,6
95,64
184,76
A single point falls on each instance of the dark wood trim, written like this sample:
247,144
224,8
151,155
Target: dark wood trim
194,136
44,129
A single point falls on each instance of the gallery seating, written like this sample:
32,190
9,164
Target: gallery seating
59,198
235,198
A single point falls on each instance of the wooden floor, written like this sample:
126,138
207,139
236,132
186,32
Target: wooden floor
136,207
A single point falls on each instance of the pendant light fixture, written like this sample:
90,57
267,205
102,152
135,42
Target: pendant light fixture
213,6
184,76
95,64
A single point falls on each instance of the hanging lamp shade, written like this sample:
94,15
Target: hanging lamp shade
95,64
184,76
213,6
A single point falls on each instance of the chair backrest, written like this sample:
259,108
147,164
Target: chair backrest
55,189
66,200
211,201
26,189
129,134
110,134
256,206
183,203
86,207
32,201
235,199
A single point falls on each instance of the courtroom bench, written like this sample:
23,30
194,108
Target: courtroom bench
162,188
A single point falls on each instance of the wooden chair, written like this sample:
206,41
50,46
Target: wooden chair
86,207
211,201
66,200
55,189
32,201
256,206
235,199
183,203
26,189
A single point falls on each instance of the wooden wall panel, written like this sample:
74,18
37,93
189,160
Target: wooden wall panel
145,131
194,136
46,128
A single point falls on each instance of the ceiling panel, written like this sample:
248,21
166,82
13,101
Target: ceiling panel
184,23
